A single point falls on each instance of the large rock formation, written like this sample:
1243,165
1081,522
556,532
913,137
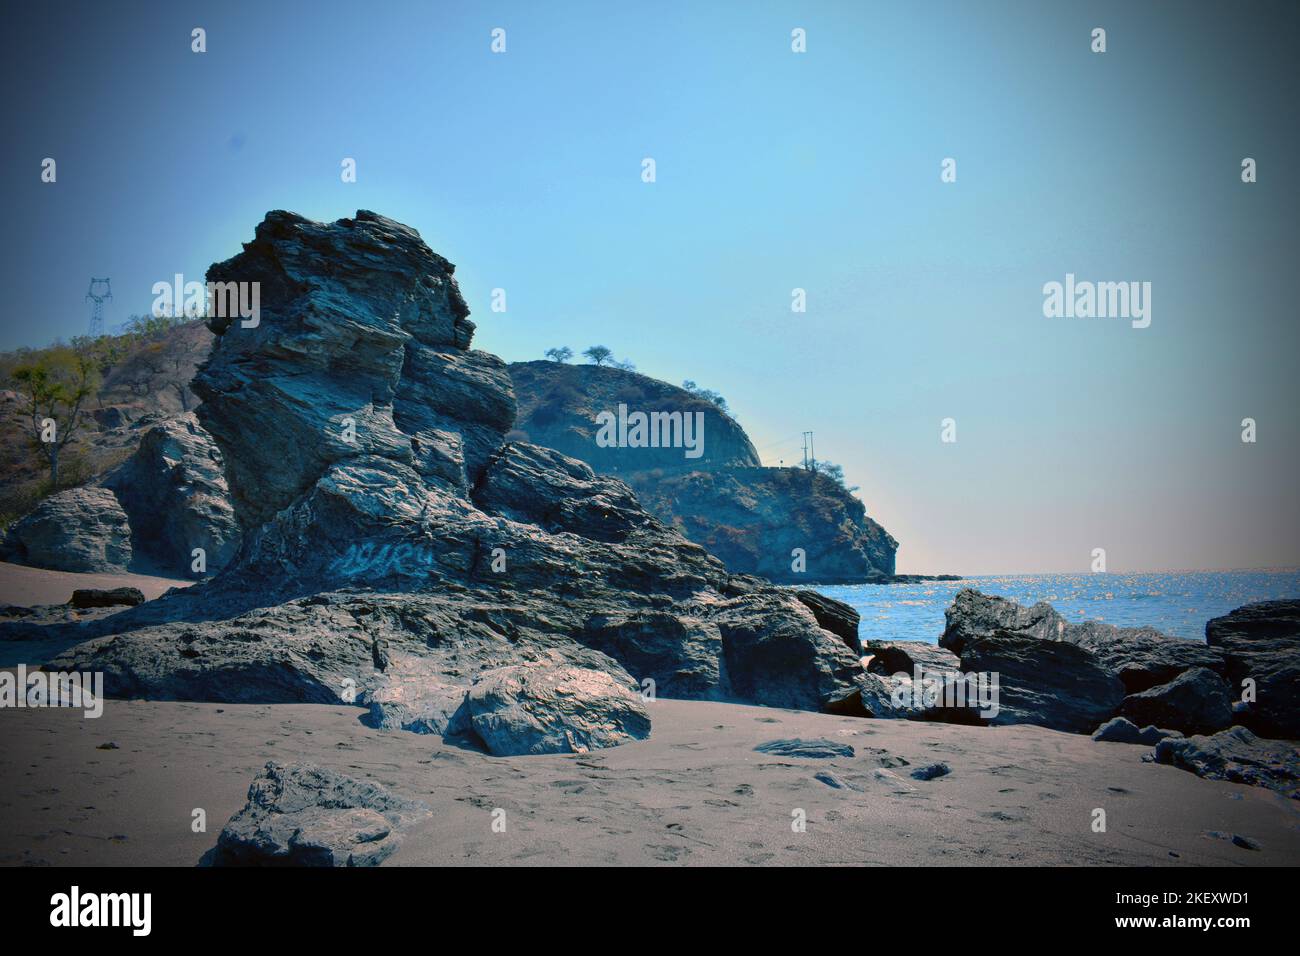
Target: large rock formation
173,490
1194,702
749,516
395,546
81,529
1238,756
1262,644
1141,657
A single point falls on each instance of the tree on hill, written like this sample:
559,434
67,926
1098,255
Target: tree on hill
830,470
598,354
706,393
55,387
561,354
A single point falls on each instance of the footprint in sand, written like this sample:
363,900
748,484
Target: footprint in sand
668,854
744,790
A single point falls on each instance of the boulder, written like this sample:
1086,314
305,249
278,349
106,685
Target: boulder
303,815
111,597
1121,730
1049,683
1141,657
1262,643
930,771
549,707
1238,756
81,529
1194,702
907,657
174,492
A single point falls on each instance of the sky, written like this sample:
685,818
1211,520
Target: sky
775,170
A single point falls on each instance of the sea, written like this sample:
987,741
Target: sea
1175,602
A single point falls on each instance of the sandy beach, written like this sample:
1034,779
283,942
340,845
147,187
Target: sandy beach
696,792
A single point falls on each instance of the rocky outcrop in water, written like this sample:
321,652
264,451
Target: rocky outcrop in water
751,517
1262,645
396,547
1141,657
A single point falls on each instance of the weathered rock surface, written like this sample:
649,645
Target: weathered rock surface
1236,755
1141,657
1121,730
749,516
835,616
1194,702
1262,643
106,597
906,657
814,749
81,529
174,492
301,815
395,547
541,708
1049,683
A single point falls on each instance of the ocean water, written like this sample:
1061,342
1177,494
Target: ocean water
1177,603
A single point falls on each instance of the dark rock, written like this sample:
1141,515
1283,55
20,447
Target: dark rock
81,529
835,616
814,749
547,708
174,492
113,416
1048,683
113,597
1262,643
1195,702
1141,657
906,657
1120,730
1238,756
301,815
930,771
834,781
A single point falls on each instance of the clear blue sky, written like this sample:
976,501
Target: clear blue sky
775,171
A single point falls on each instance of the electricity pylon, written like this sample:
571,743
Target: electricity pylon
97,300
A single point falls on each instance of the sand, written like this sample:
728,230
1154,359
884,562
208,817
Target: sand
26,586
694,793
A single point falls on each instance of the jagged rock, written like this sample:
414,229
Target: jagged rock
1194,702
81,529
817,748
906,657
302,815
111,597
1262,643
749,516
547,708
1049,683
174,492
1238,756
835,616
1121,730
395,546
1141,657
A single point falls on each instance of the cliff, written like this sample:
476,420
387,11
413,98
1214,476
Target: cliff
751,517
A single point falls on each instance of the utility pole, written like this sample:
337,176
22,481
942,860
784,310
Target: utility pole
808,455
97,300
